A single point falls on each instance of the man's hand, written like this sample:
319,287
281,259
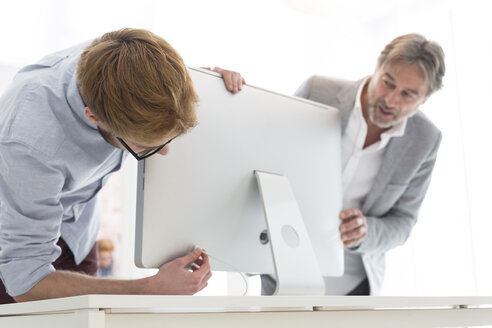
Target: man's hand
186,275
233,80
183,276
353,227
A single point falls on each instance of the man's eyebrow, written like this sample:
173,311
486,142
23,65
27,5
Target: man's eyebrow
415,92
389,76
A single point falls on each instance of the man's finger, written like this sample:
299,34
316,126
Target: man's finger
229,81
239,81
205,266
348,213
354,234
199,262
206,278
354,242
351,224
191,257
233,81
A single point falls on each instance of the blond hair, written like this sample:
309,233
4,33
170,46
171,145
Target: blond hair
416,49
105,245
137,85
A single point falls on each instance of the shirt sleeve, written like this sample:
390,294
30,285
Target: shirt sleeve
304,89
30,215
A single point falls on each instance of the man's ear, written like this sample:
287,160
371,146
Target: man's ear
91,116
423,101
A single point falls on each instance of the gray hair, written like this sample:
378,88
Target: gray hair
416,49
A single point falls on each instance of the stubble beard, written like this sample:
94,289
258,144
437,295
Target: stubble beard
109,138
374,117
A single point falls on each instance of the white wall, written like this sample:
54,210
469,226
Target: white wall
277,47
7,72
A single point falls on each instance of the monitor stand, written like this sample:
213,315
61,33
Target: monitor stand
295,262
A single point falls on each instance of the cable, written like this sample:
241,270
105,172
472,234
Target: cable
233,268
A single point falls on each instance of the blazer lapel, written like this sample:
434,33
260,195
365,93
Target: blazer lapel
346,101
396,149
394,153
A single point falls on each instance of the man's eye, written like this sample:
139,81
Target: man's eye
407,94
387,83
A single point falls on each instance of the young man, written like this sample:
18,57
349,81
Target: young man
389,149
68,122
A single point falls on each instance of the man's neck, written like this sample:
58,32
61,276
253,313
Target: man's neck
373,132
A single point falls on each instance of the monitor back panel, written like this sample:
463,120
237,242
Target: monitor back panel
204,191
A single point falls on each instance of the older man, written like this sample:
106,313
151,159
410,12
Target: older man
389,150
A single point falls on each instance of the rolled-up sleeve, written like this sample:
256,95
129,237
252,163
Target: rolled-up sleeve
30,215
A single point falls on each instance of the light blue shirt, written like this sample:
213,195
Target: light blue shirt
53,161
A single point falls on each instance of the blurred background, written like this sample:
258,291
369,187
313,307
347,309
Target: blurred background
276,45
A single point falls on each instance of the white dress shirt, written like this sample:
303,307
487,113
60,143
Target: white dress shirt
360,166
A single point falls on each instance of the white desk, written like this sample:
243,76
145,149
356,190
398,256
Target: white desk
106,311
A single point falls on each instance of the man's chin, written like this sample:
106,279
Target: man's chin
382,124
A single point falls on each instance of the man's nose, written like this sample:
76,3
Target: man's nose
392,98
164,151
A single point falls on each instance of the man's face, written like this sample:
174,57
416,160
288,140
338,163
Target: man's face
395,92
105,259
136,147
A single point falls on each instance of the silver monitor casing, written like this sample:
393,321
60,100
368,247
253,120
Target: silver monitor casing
204,192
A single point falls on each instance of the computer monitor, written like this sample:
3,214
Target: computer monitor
205,191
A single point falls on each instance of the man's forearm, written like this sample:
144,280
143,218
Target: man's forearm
173,278
66,283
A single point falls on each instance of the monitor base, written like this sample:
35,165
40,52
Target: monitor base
295,262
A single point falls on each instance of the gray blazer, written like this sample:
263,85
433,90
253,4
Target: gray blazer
392,205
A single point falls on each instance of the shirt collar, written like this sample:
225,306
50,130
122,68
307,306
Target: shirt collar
75,101
358,103
397,130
